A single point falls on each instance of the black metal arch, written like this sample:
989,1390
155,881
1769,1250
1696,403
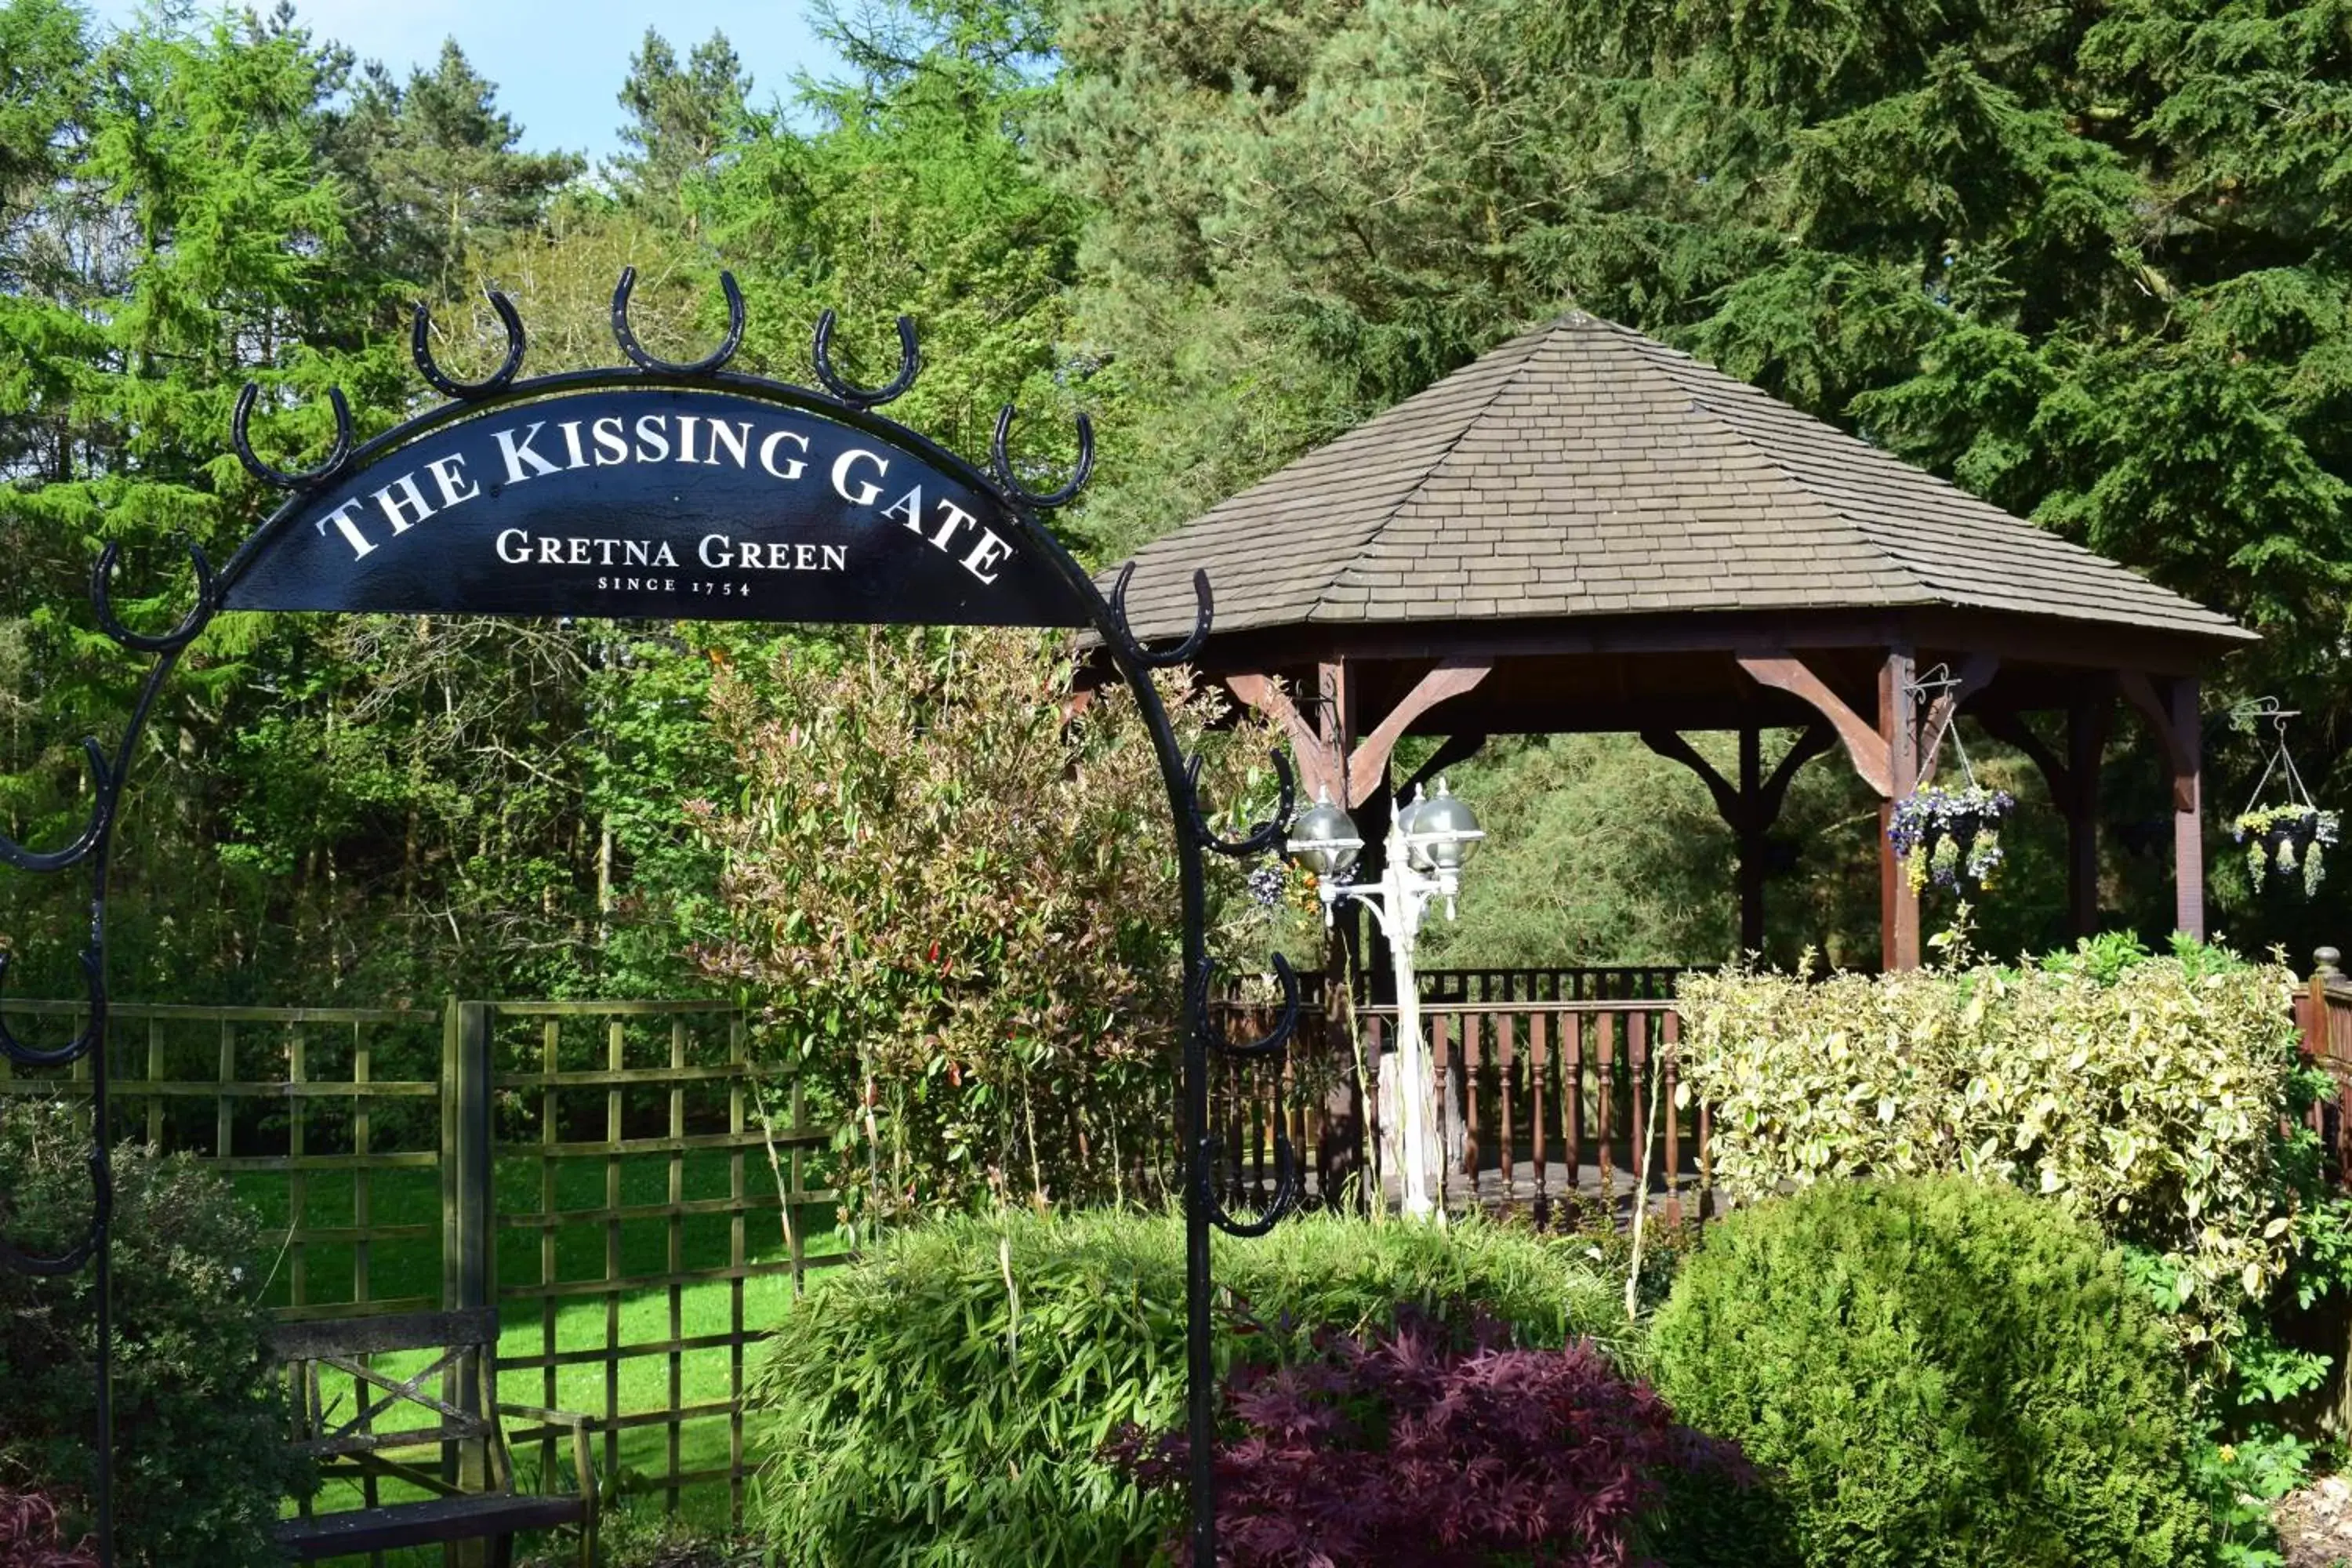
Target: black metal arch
840,400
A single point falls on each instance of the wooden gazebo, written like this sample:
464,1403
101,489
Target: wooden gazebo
1585,531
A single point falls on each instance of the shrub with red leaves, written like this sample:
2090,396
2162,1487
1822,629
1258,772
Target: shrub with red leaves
31,1534
1412,1446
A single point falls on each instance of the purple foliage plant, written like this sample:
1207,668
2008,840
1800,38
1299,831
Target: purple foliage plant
1421,1446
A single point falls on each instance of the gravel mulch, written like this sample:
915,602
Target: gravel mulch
2315,1524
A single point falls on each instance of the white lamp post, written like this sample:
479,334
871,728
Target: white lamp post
1428,841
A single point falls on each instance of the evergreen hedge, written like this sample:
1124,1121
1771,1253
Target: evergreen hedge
2142,1093
201,1457
1933,1373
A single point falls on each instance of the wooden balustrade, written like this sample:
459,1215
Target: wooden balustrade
2324,1012
1543,1105
1613,983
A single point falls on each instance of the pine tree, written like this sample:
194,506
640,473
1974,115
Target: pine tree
437,171
681,118
185,242
912,194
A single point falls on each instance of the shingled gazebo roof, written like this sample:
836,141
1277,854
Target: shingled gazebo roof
1583,469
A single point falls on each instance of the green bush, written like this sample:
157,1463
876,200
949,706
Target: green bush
946,1402
1933,1372
645,1536
2143,1094
202,1459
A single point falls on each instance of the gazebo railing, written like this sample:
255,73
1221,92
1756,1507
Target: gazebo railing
1605,982
1546,1107
2323,1009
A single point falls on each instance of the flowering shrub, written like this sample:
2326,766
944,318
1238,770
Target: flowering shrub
33,1536
2143,1094
1949,836
2277,837
1409,1446
957,904
202,1459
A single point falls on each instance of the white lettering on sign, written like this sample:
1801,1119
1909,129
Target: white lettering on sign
449,473
518,453
793,467
535,449
341,518
985,554
718,553
653,441
611,447
736,438
955,517
516,547
570,429
399,494
907,509
867,494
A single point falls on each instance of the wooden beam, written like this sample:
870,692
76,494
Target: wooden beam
2008,727
1318,772
1864,742
1811,743
2188,810
1369,763
1942,631
1750,807
2174,715
2074,786
1730,801
1753,828
2180,747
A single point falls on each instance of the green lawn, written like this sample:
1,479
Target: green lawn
641,1247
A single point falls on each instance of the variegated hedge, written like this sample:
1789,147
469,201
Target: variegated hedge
2145,1094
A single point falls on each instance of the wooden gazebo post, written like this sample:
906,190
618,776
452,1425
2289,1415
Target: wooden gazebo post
1898,902
2174,712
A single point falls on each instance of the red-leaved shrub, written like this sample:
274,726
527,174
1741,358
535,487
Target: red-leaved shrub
31,1534
1413,1446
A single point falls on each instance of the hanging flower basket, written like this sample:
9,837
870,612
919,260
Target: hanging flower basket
2287,842
2291,841
1949,837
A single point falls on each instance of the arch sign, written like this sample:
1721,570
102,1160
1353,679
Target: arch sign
658,490
673,501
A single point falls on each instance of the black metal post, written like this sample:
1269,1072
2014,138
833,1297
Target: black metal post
1200,1362
92,848
102,1481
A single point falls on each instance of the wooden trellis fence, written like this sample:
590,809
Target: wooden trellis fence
538,1156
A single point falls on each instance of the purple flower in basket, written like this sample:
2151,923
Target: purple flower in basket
1949,836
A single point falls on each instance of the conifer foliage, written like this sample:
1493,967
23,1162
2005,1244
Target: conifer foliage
2089,262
